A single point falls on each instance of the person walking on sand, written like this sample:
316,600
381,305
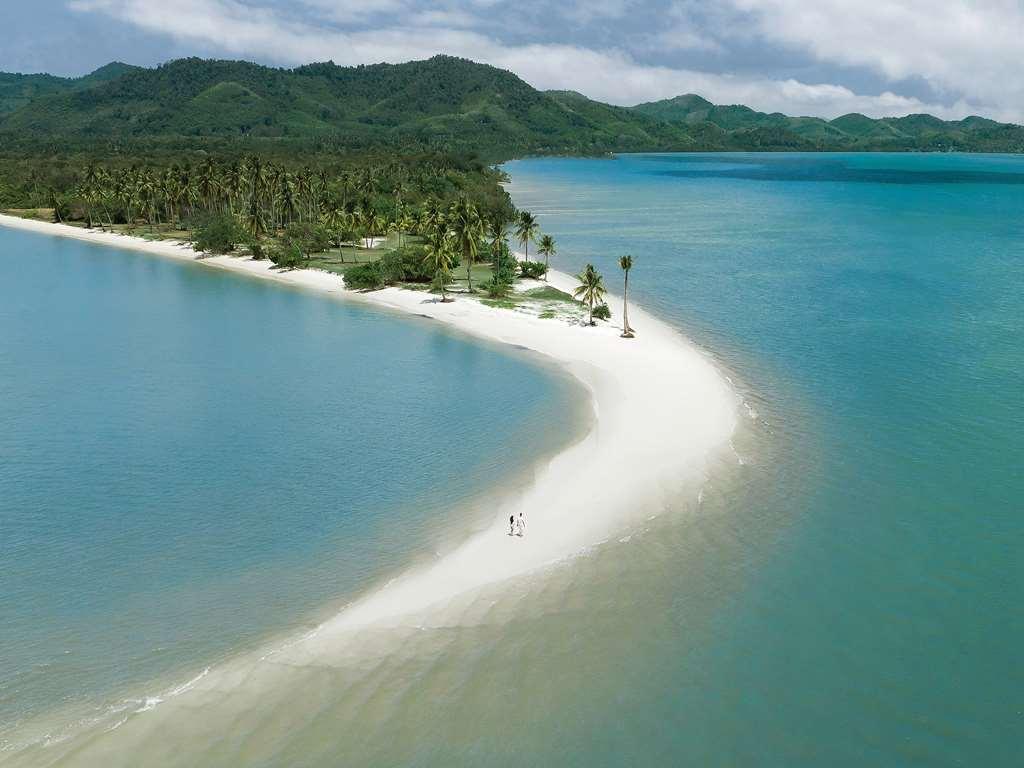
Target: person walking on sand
511,525
521,525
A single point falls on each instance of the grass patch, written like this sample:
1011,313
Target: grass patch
548,293
500,303
547,314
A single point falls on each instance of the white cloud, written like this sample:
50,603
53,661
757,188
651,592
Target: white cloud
233,28
961,48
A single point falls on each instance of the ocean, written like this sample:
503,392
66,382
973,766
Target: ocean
844,590
193,462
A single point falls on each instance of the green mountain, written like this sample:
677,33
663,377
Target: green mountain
852,132
441,104
17,90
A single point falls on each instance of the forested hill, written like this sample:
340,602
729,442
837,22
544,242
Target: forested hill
18,90
853,131
444,103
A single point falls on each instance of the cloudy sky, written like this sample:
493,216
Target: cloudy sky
812,57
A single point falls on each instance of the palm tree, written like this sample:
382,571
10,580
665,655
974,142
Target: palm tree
526,230
591,288
626,262
378,226
467,229
336,221
499,241
439,256
546,247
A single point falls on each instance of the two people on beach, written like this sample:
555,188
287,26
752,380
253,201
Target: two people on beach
517,527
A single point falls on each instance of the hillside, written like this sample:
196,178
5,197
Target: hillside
851,132
441,104
17,90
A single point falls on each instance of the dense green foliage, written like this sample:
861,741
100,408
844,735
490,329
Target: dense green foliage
533,269
365,277
17,90
443,104
218,233
744,128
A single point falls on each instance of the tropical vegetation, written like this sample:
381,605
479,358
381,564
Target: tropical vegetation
591,290
626,264
443,104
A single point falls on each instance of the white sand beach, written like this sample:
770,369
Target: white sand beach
662,412
661,409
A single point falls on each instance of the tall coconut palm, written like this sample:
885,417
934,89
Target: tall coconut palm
208,182
378,226
547,249
526,230
439,256
626,262
467,228
498,235
336,223
591,289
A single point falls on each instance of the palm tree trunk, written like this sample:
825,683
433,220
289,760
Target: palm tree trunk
469,272
627,332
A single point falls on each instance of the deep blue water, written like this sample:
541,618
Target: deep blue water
860,595
190,461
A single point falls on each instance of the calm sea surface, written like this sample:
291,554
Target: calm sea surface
196,460
873,308
190,461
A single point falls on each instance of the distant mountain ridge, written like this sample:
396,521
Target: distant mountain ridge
853,128
442,103
17,90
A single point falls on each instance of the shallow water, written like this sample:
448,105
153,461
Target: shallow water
842,590
874,306
191,461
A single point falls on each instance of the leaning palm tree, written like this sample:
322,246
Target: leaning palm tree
546,247
526,230
626,262
591,289
439,256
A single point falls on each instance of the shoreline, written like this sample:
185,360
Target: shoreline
660,410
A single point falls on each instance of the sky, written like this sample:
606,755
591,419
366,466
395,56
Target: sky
951,58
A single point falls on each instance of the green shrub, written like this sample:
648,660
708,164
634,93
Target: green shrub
496,289
218,233
259,253
365,277
310,238
602,312
532,269
286,254
406,265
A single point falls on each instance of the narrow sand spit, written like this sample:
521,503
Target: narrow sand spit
661,409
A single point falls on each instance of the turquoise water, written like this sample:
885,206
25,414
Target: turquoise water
867,607
845,590
191,462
